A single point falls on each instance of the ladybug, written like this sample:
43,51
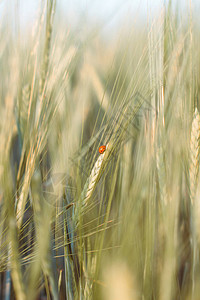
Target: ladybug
102,149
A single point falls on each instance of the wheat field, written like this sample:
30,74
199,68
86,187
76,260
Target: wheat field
123,224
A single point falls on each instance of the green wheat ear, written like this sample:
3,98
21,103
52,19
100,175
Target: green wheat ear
194,154
90,185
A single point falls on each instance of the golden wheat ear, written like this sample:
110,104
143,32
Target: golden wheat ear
194,154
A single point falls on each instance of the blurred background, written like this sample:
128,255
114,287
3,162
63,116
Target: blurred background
108,15
76,223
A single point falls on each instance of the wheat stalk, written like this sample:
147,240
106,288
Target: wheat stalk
161,171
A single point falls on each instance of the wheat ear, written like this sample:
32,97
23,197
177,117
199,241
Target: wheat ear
194,171
90,185
194,154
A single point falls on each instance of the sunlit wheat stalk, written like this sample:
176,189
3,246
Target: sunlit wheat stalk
161,168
